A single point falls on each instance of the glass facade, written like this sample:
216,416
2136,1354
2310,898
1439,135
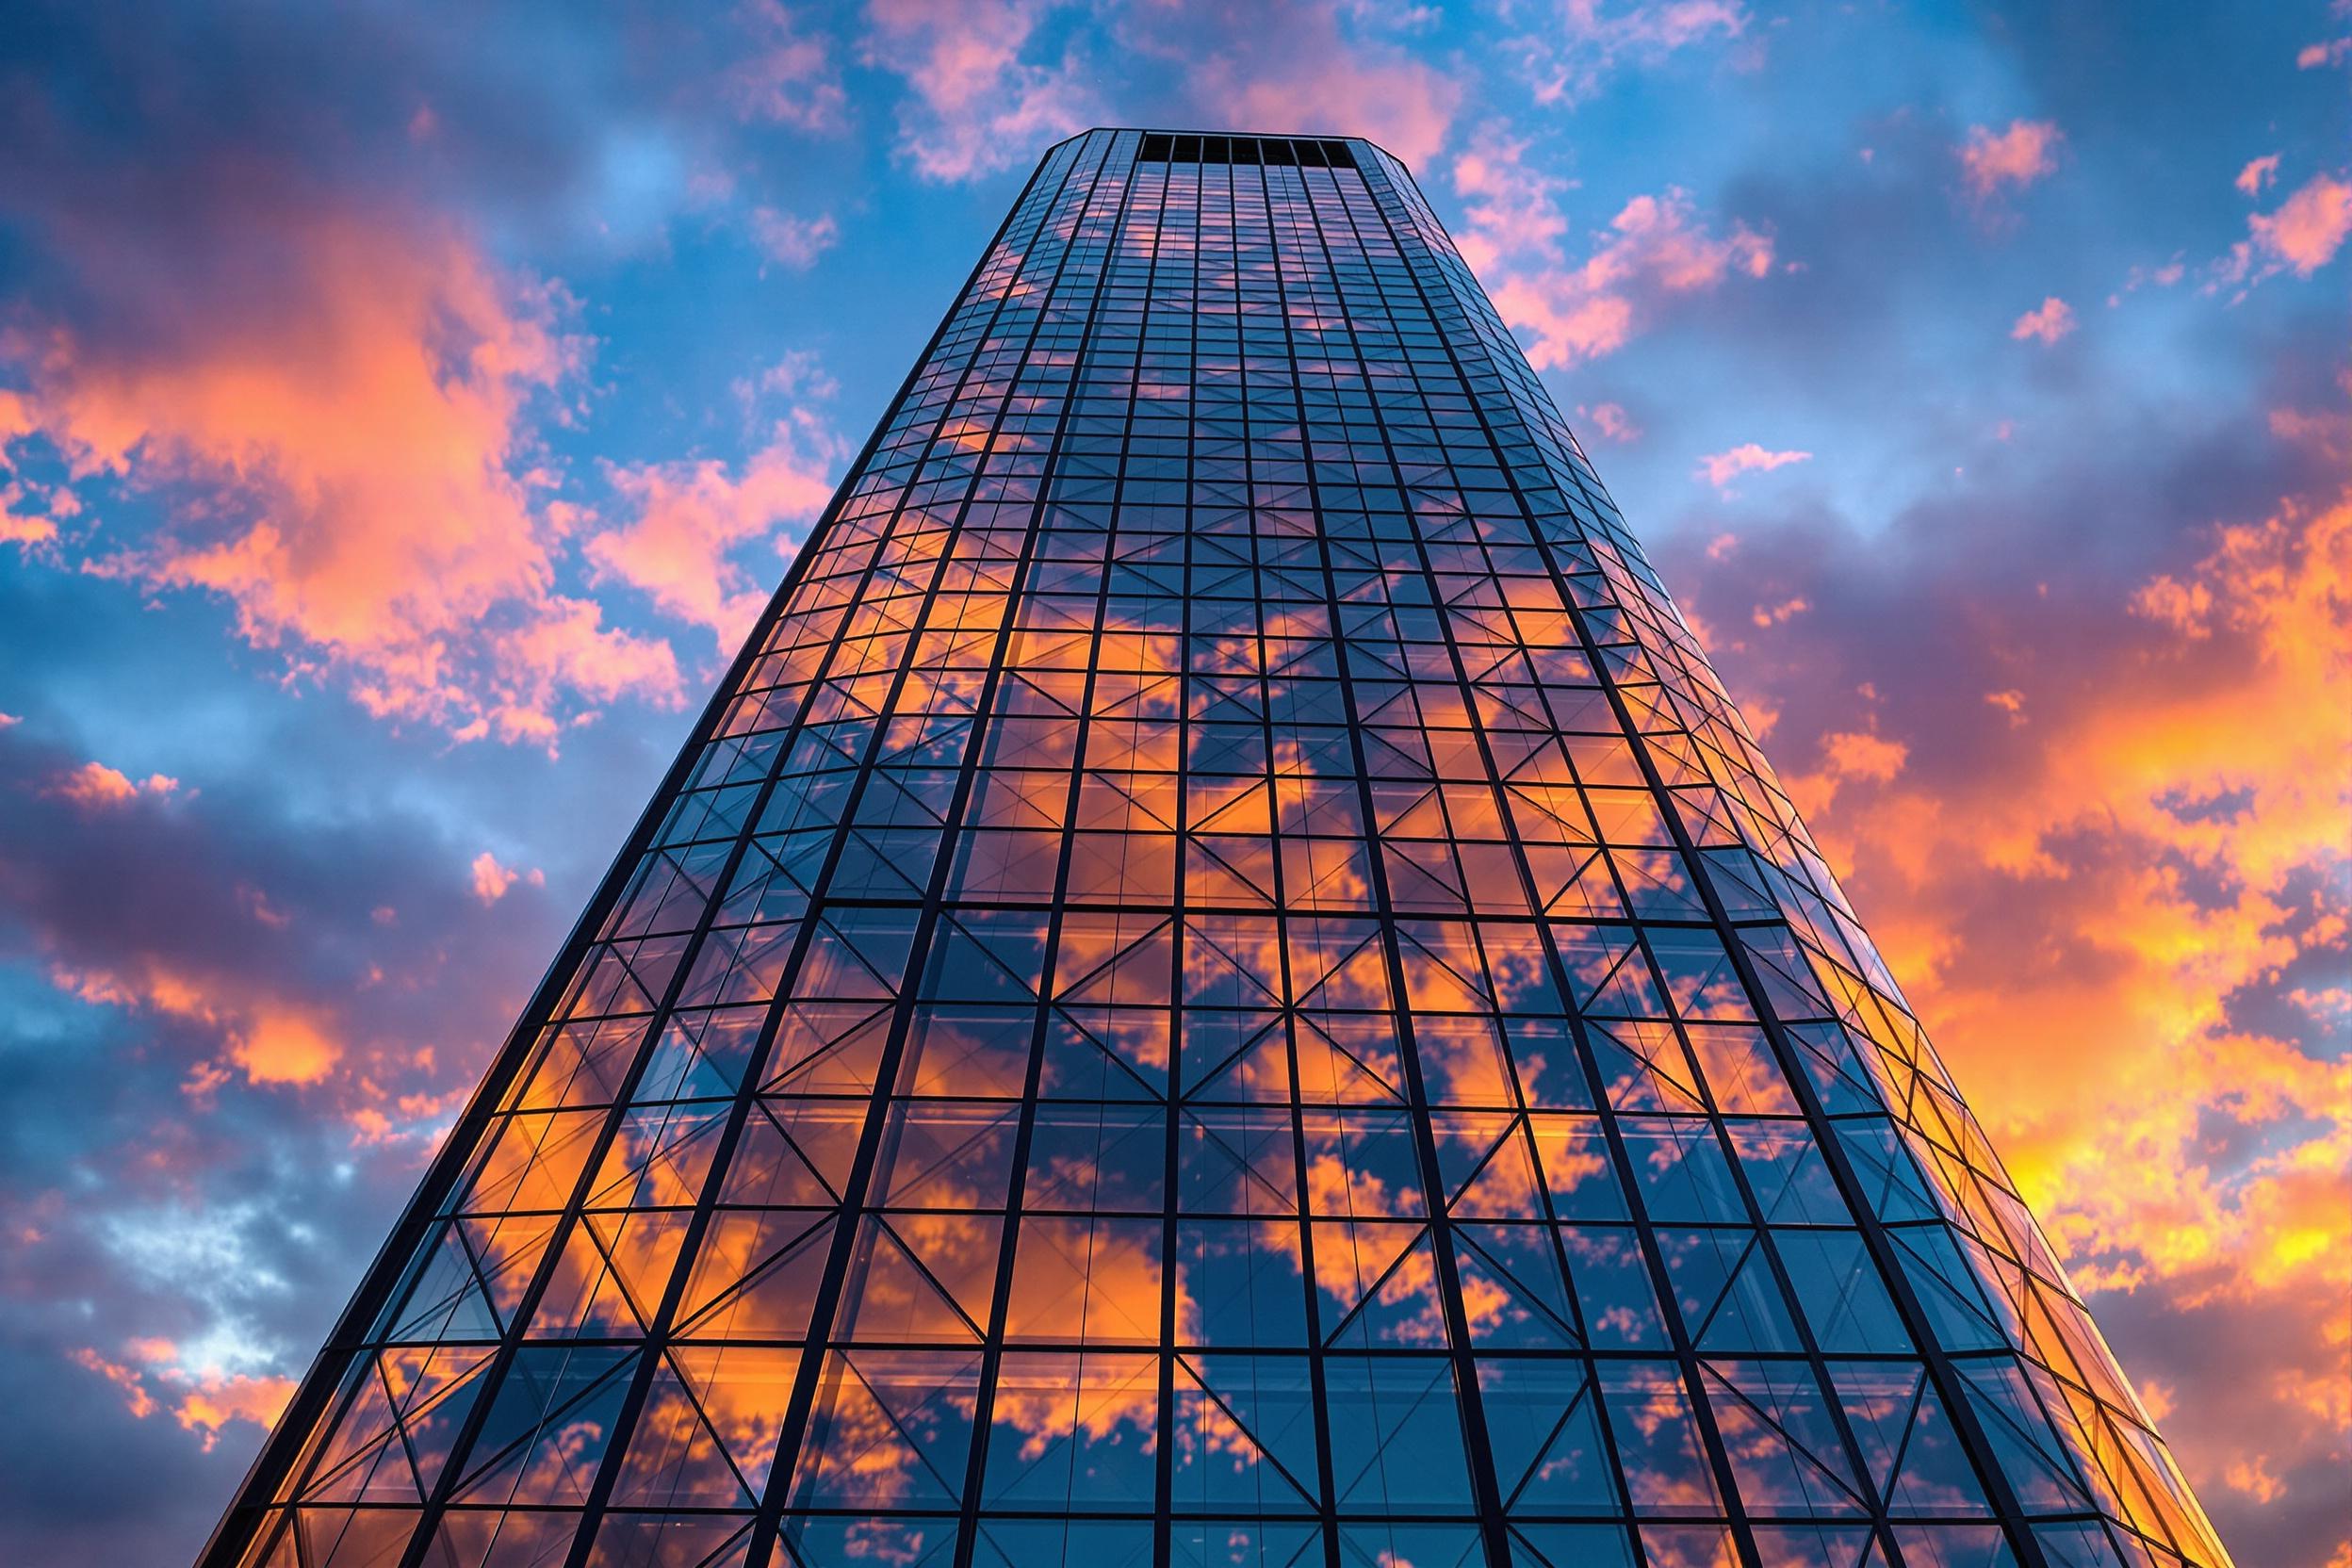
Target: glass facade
1221,985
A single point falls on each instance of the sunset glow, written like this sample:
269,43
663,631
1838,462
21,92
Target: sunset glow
404,419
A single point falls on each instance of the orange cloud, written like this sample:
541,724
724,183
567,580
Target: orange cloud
346,466
2076,905
215,1400
270,1039
283,1045
202,1400
135,1398
492,881
690,516
2048,321
95,786
2024,153
2301,236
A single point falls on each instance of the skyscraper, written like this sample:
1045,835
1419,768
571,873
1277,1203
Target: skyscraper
1219,984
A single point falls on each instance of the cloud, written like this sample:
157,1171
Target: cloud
96,786
1722,467
786,77
281,1045
250,951
976,102
1300,69
686,518
2018,157
2318,57
491,881
224,1073
1512,207
2302,234
1655,251
795,241
212,1402
26,531
1585,43
202,1401
340,450
2094,812
2048,321
1611,421
271,331
2257,173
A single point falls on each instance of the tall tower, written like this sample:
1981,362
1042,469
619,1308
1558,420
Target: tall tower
1220,984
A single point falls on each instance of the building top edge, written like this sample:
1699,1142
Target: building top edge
1231,131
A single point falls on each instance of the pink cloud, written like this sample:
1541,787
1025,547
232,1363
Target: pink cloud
26,531
1656,247
2024,153
690,516
1321,81
2318,57
977,103
2257,174
785,77
2048,321
1611,421
1510,205
793,240
269,1038
2301,236
1723,467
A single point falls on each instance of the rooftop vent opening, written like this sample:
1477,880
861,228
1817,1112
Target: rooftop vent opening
1282,151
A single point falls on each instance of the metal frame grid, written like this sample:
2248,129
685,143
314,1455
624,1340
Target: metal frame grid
1219,984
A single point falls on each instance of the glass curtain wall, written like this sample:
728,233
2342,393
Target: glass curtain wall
1221,985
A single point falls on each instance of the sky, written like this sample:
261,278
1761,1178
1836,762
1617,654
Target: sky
404,409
